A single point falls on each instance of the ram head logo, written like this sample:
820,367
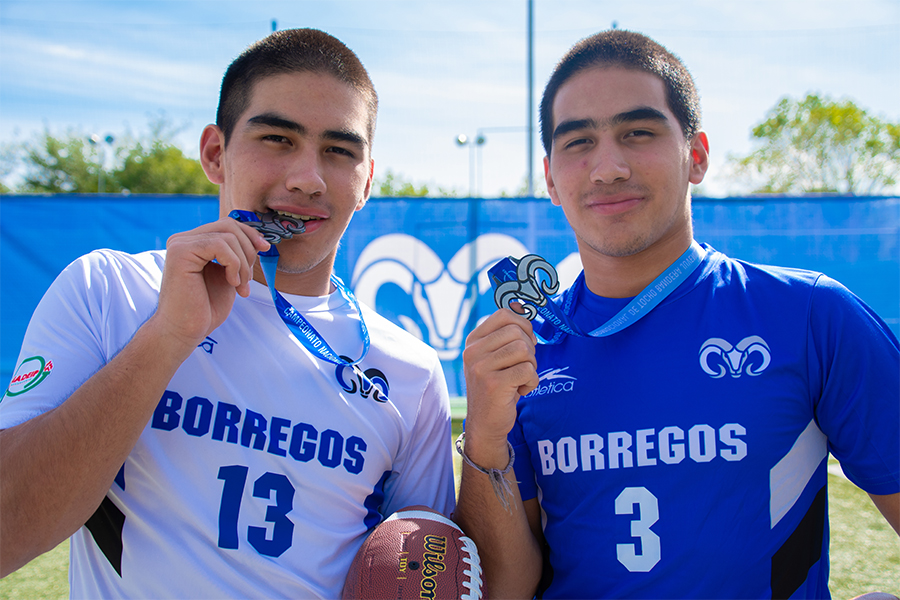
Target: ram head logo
443,295
526,286
751,356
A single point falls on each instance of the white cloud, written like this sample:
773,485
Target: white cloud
104,74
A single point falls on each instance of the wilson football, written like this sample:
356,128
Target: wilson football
415,553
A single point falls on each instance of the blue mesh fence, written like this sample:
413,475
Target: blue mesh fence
423,262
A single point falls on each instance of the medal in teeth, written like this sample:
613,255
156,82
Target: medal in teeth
280,225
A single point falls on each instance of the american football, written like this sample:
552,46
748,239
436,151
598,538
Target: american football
415,553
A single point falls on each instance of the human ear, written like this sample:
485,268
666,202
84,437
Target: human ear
212,147
368,189
699,157
551,189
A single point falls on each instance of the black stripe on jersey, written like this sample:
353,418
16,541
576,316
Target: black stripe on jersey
106,526
791,564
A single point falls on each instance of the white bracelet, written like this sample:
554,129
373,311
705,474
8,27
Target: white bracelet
501,486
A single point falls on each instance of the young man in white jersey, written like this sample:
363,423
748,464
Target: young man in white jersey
675,444
234,449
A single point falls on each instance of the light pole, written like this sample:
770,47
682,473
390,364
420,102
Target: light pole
530,142
478,141
96,140
473,143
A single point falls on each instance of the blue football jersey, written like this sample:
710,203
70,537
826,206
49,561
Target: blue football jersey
685,457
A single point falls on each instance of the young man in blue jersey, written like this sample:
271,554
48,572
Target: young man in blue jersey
230,456
677,449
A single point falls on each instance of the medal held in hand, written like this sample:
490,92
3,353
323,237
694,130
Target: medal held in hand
520,280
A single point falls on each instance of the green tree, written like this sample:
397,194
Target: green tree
822,145
60,165
395,186
8,153
71,164
161,169
539,188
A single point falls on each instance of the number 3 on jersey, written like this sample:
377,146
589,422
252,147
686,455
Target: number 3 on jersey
235,478
640,528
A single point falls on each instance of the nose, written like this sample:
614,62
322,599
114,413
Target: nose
610,164
305,173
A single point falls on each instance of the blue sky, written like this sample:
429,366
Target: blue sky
441,68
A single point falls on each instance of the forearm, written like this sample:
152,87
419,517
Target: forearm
889,505
510,553
56,468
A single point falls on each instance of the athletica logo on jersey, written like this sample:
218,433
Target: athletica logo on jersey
553,381
29,375
751,356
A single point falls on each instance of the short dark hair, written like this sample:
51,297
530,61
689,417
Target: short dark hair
629,50
291,51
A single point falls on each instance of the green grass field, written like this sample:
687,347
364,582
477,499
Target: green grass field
865,553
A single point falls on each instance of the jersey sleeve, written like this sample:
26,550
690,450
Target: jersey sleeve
854,367
63,340
423,471
86,316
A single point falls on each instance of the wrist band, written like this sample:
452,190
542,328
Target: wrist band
501,486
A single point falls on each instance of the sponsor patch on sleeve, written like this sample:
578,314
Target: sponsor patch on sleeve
30,373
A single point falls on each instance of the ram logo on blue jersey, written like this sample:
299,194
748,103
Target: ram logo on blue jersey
751,356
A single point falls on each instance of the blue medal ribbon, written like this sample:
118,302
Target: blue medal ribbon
302,329
530,281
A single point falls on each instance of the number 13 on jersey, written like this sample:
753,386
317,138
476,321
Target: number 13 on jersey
282,528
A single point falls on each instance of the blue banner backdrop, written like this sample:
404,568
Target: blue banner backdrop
423,262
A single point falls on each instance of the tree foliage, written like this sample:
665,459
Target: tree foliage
393,185
162,169
71,163
60,165
822,145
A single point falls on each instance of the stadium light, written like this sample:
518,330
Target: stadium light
473,144
476,143
96,140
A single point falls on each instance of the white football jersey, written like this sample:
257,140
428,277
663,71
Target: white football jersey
263,466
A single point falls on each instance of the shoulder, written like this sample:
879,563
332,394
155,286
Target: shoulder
106,260
759,284
726,270
826,303
396,341
106,273
759,277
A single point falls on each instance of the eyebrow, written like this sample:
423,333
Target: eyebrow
643,113
271,120
278,122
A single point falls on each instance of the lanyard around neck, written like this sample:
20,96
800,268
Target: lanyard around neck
521,281
296,323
